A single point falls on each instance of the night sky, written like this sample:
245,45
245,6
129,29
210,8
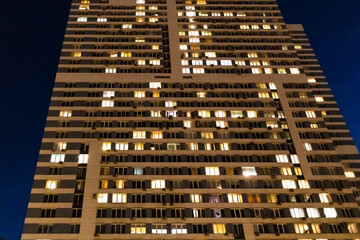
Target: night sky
31,37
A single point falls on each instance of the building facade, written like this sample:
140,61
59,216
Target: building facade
192,119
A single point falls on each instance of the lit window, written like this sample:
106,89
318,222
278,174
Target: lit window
266,27
219,228
281,71
352,227
349,174
65,114
178,229
298,171
155,47
193,146
196,198
319,99
294,71
240,63
268,70
106,146
220,114
221,124
256,70
159,229
170,104
263,95
255,63
226,62
272,124
240,14
312,212
153,8
138,171
187,124
201,94
186,70
310,114
119,183
121,146
297,212
102,197
311,80
155,62
83,158
126,54
139,94
325,197
56,158
330,212
138,146
171,113
323,113
244,27
303,184
125,26
197,62
82,19
138,229
224,147
84,7
104,184
157,184
288,184
156,135
206,33
316,229
212,171
204,113
198,70
140,1
252,55
272,86
314,125
51,184
275,95
109,94
140,40
235,198
102,20
173,146
254,26
155,113
119,198
294,159
76,54
308,146
301,228
297,47
248,171
155,84
251,114
282,158
139,134
110,70
184,62
236,114
286,171
210,54
107,103
183,47
113,55
61,146
141,62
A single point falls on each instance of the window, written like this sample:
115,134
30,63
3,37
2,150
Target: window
141,62
138,146
235,198
210,54
311,80
155,113
349,174
268,70
207,135
106,146
294,71
107,103
286,171
178,229
282,158
219,228
221,124
325,197
301,228
126,26
171,113
204,113
193,146
155,84
248,171
158,184
82,19
310,114
156,135
102,198
196,198
224,147
65,114
102,20
256,70
119,183
183,47
294,159
303,184
312,212
187,124
139,94
110,70
288,184
352,227
236,114
220,114
297,213
51,184
113,55
118,198
186,70
198,70
121,146
201,94
316,228
138,229
226,62
159,229
319,99
109,94
76,54
330,212
308,146
154,62
251,114
138,171
56,158
83,158
170,104
212,171
281,71
139,134
252,55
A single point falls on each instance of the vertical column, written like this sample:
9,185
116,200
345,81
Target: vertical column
175,55
88,218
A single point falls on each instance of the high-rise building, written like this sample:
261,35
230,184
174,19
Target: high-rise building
192,119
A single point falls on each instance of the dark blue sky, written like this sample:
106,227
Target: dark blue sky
31,37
